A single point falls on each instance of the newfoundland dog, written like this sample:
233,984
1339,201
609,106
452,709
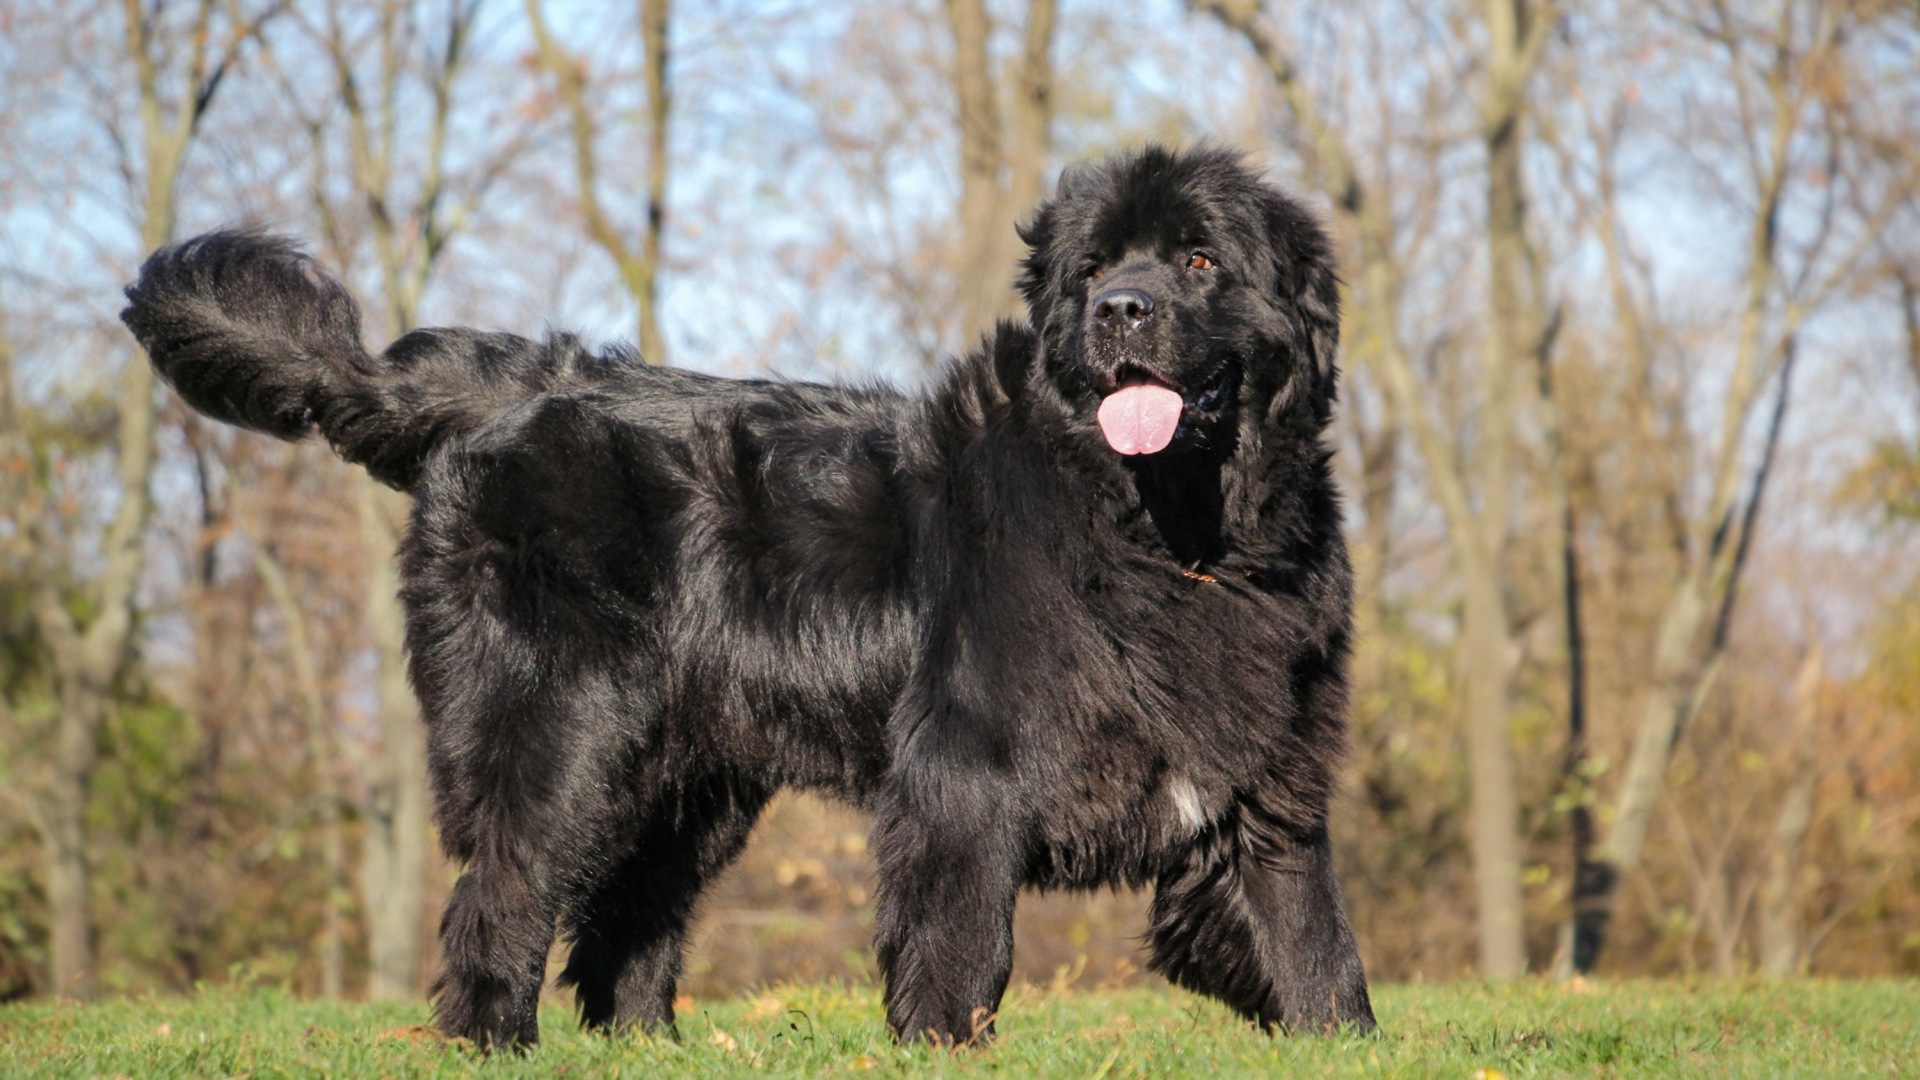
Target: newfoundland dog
1075,616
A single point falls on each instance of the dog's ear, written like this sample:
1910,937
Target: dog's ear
1037,233
1043,234
1309,284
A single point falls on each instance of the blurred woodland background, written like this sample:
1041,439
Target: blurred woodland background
1630,432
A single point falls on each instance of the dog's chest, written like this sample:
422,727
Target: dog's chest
1140,715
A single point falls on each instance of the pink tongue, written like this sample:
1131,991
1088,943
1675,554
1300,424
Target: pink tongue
1140,419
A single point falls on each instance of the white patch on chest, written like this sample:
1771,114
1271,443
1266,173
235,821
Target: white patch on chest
1186,803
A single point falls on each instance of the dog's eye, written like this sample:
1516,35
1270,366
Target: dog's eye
1094,273
1199,261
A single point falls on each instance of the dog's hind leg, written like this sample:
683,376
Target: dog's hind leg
523,750
1253,917
629,932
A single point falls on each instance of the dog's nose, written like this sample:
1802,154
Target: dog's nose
1132,305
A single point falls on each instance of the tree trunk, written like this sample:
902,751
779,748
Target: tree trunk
653,34
1496,801
1016,147
1674,678
1373,555
394,848
1516,29
980,161
1029,145
1030,123
194,904
1909,288
1577,939
64,833
320,744
1780,950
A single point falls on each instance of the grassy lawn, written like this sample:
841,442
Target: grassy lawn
1700,1028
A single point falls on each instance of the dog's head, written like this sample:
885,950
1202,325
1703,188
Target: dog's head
1179,295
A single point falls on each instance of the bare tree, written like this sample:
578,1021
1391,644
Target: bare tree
1780,75
179,64
636,260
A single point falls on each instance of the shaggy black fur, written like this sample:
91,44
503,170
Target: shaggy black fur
640,601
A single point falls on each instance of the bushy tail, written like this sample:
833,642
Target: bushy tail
250,331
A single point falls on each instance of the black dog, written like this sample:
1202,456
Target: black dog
1078,616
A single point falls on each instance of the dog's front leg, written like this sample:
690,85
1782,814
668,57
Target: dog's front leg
949,864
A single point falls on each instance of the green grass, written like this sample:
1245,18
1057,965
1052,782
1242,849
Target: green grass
1702,1028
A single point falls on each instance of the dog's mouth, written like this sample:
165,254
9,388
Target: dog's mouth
1143,412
